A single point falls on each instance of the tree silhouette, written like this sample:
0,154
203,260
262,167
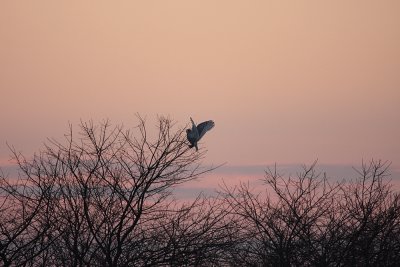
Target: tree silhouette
101,199
307,221
104,197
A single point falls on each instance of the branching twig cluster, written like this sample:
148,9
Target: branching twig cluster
103,197
308,221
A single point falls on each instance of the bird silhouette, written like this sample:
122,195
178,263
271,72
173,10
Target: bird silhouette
197,132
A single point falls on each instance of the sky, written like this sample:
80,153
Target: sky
286,82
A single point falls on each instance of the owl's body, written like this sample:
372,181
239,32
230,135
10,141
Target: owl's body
197,132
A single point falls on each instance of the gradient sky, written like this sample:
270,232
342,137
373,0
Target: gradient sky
284,81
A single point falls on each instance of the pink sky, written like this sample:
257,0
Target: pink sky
284,81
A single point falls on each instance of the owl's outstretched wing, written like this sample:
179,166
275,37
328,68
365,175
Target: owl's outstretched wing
203,127
195,132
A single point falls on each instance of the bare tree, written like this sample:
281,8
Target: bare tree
372,222
25,219
104,197
195,234
307,221
102,191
